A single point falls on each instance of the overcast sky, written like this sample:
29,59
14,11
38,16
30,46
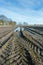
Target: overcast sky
30,11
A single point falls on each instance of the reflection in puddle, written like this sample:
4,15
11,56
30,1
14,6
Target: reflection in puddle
18,29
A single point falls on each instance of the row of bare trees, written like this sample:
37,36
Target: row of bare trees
7,22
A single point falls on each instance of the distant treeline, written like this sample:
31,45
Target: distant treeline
2,22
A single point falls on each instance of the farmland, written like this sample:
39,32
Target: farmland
22,47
